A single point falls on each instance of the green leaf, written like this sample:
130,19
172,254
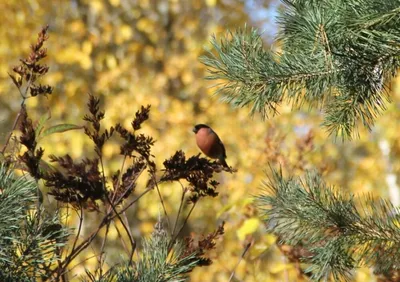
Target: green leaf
41,122
60,128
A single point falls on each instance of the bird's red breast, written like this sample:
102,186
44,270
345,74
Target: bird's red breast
209,143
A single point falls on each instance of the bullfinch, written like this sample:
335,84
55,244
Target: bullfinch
210,144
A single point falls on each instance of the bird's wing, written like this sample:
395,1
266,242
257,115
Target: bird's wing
223,148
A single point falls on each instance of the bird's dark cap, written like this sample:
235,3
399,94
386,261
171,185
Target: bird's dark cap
197,127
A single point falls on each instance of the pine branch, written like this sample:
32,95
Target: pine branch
338,232
335,55
159,263
30,239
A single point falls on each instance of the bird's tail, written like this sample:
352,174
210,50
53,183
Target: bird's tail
223,162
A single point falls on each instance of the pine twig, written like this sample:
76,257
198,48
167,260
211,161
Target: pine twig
246,248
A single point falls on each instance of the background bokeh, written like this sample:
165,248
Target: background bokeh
132,53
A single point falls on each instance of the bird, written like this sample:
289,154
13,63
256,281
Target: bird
210,144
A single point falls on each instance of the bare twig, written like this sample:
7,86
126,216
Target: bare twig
132,241
240,259
76,251
154,180
86,259
163,205
119,200
12,129
80,215
83,245
180,208
103,244
183,225
119,178
130,235
122,239
134,201
24,97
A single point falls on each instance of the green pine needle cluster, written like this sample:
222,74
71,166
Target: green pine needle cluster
157,263
29,237
338,232
334,55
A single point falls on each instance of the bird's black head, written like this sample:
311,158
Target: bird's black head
197,127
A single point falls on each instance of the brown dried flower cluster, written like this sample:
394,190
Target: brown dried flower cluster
30,70
197,171
203,245
32,157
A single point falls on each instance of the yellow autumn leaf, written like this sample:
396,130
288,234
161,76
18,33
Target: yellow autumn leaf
144,24
211,3
110,149
248,227
364,274
111,61
115,3
87,47
241,203
269,239
277,267
125,31
85,62
53,78
187,77
224,209
97,6
147,227
77,27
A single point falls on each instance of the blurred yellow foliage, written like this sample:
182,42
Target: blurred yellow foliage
133,53
96,5
211,3
115,3
249,226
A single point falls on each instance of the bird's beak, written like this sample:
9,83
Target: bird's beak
194,130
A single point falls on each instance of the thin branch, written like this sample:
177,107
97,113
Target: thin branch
103,244
132,241
107,218
119,178
86,259
80,215
75,252
163,206
183,225
23,95
119,200
134,201
122,239
130,236
154,180
180,208
240,259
